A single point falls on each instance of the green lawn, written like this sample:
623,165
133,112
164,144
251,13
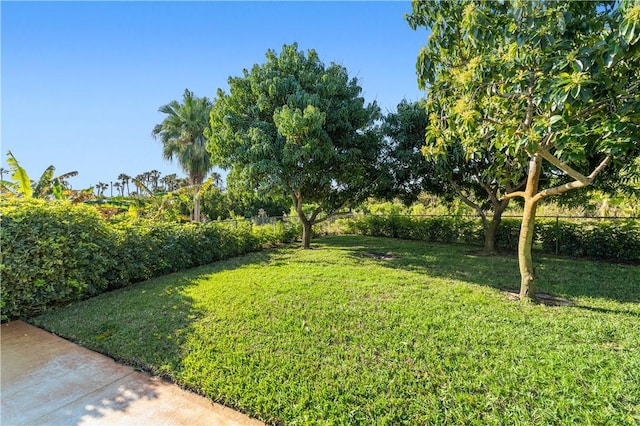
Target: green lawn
335,336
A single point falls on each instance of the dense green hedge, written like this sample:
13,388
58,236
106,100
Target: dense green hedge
57,252
617,240
51,252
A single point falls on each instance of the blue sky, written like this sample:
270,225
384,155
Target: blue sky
82,81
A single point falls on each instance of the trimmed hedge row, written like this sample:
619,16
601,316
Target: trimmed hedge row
616,240
58,252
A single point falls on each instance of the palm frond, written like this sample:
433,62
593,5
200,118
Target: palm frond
20,176
66,176
141,186
8,188
43,184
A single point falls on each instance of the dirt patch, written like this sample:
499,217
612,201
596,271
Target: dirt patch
381,256
542,298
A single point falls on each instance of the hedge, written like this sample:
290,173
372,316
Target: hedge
613,240
51,252
58,252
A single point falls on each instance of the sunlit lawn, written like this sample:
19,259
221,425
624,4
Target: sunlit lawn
337,336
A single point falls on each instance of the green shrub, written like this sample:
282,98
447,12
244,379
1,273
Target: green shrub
616,240
58,252
508,234
147,248
444,229
52,252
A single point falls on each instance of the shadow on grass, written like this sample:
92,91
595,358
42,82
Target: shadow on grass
559,276
609,311
145,325
160,327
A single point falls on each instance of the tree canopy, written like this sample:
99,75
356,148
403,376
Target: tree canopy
296,127
536,80
479,180
182,135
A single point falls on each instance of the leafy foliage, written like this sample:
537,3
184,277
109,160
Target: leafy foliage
56,252
48,186
418,163
294,127
52,252
615,240
557,82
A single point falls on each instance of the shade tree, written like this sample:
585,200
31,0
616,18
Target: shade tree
554,82
479,180
296,127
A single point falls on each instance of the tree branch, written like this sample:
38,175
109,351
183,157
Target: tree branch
601,166
492,121
468,200
322,219
547,141
519,185
490,191
559,190
563,166
514,195
591,110
297,203
588,180
530,104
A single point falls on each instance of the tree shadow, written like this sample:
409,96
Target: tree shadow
156,315
627,312
565,277
48,380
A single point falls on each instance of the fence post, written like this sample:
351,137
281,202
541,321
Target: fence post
557,234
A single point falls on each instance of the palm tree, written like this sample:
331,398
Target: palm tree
101,187
182,136
154,177
120,188
142,184
217,180
170,181
182,182
124,179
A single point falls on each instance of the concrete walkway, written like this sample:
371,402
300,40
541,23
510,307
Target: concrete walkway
47,380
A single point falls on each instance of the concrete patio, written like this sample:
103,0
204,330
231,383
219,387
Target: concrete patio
46,380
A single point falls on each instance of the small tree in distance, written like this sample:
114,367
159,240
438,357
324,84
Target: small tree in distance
293,126
479,180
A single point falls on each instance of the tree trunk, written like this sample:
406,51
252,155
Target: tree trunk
306,234
306,223
490,232
525,241
196,208
491,228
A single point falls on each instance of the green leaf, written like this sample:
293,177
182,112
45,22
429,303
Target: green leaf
44,183
19,175
554,119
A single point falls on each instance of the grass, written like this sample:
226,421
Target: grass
425,336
